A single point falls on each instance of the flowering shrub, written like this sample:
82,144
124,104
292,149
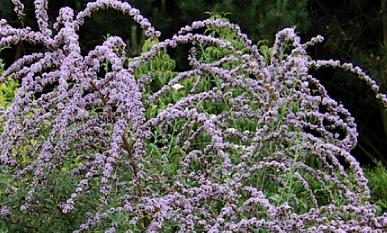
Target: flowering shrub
245,140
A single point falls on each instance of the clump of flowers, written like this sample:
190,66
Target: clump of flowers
237,143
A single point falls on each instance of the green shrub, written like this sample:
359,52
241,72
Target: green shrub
377,179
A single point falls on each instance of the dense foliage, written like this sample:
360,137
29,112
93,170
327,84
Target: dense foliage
377,178
245,140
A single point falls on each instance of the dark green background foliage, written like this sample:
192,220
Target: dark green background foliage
353,32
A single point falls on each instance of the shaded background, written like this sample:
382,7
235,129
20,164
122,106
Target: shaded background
355,31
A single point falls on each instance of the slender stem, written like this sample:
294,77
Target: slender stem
128,146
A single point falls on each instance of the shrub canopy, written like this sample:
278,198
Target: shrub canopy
245,139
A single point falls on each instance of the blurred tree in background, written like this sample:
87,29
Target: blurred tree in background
355,31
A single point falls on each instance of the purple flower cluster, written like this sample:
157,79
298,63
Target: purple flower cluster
277,134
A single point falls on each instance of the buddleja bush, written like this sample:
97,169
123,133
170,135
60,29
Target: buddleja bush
243,141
